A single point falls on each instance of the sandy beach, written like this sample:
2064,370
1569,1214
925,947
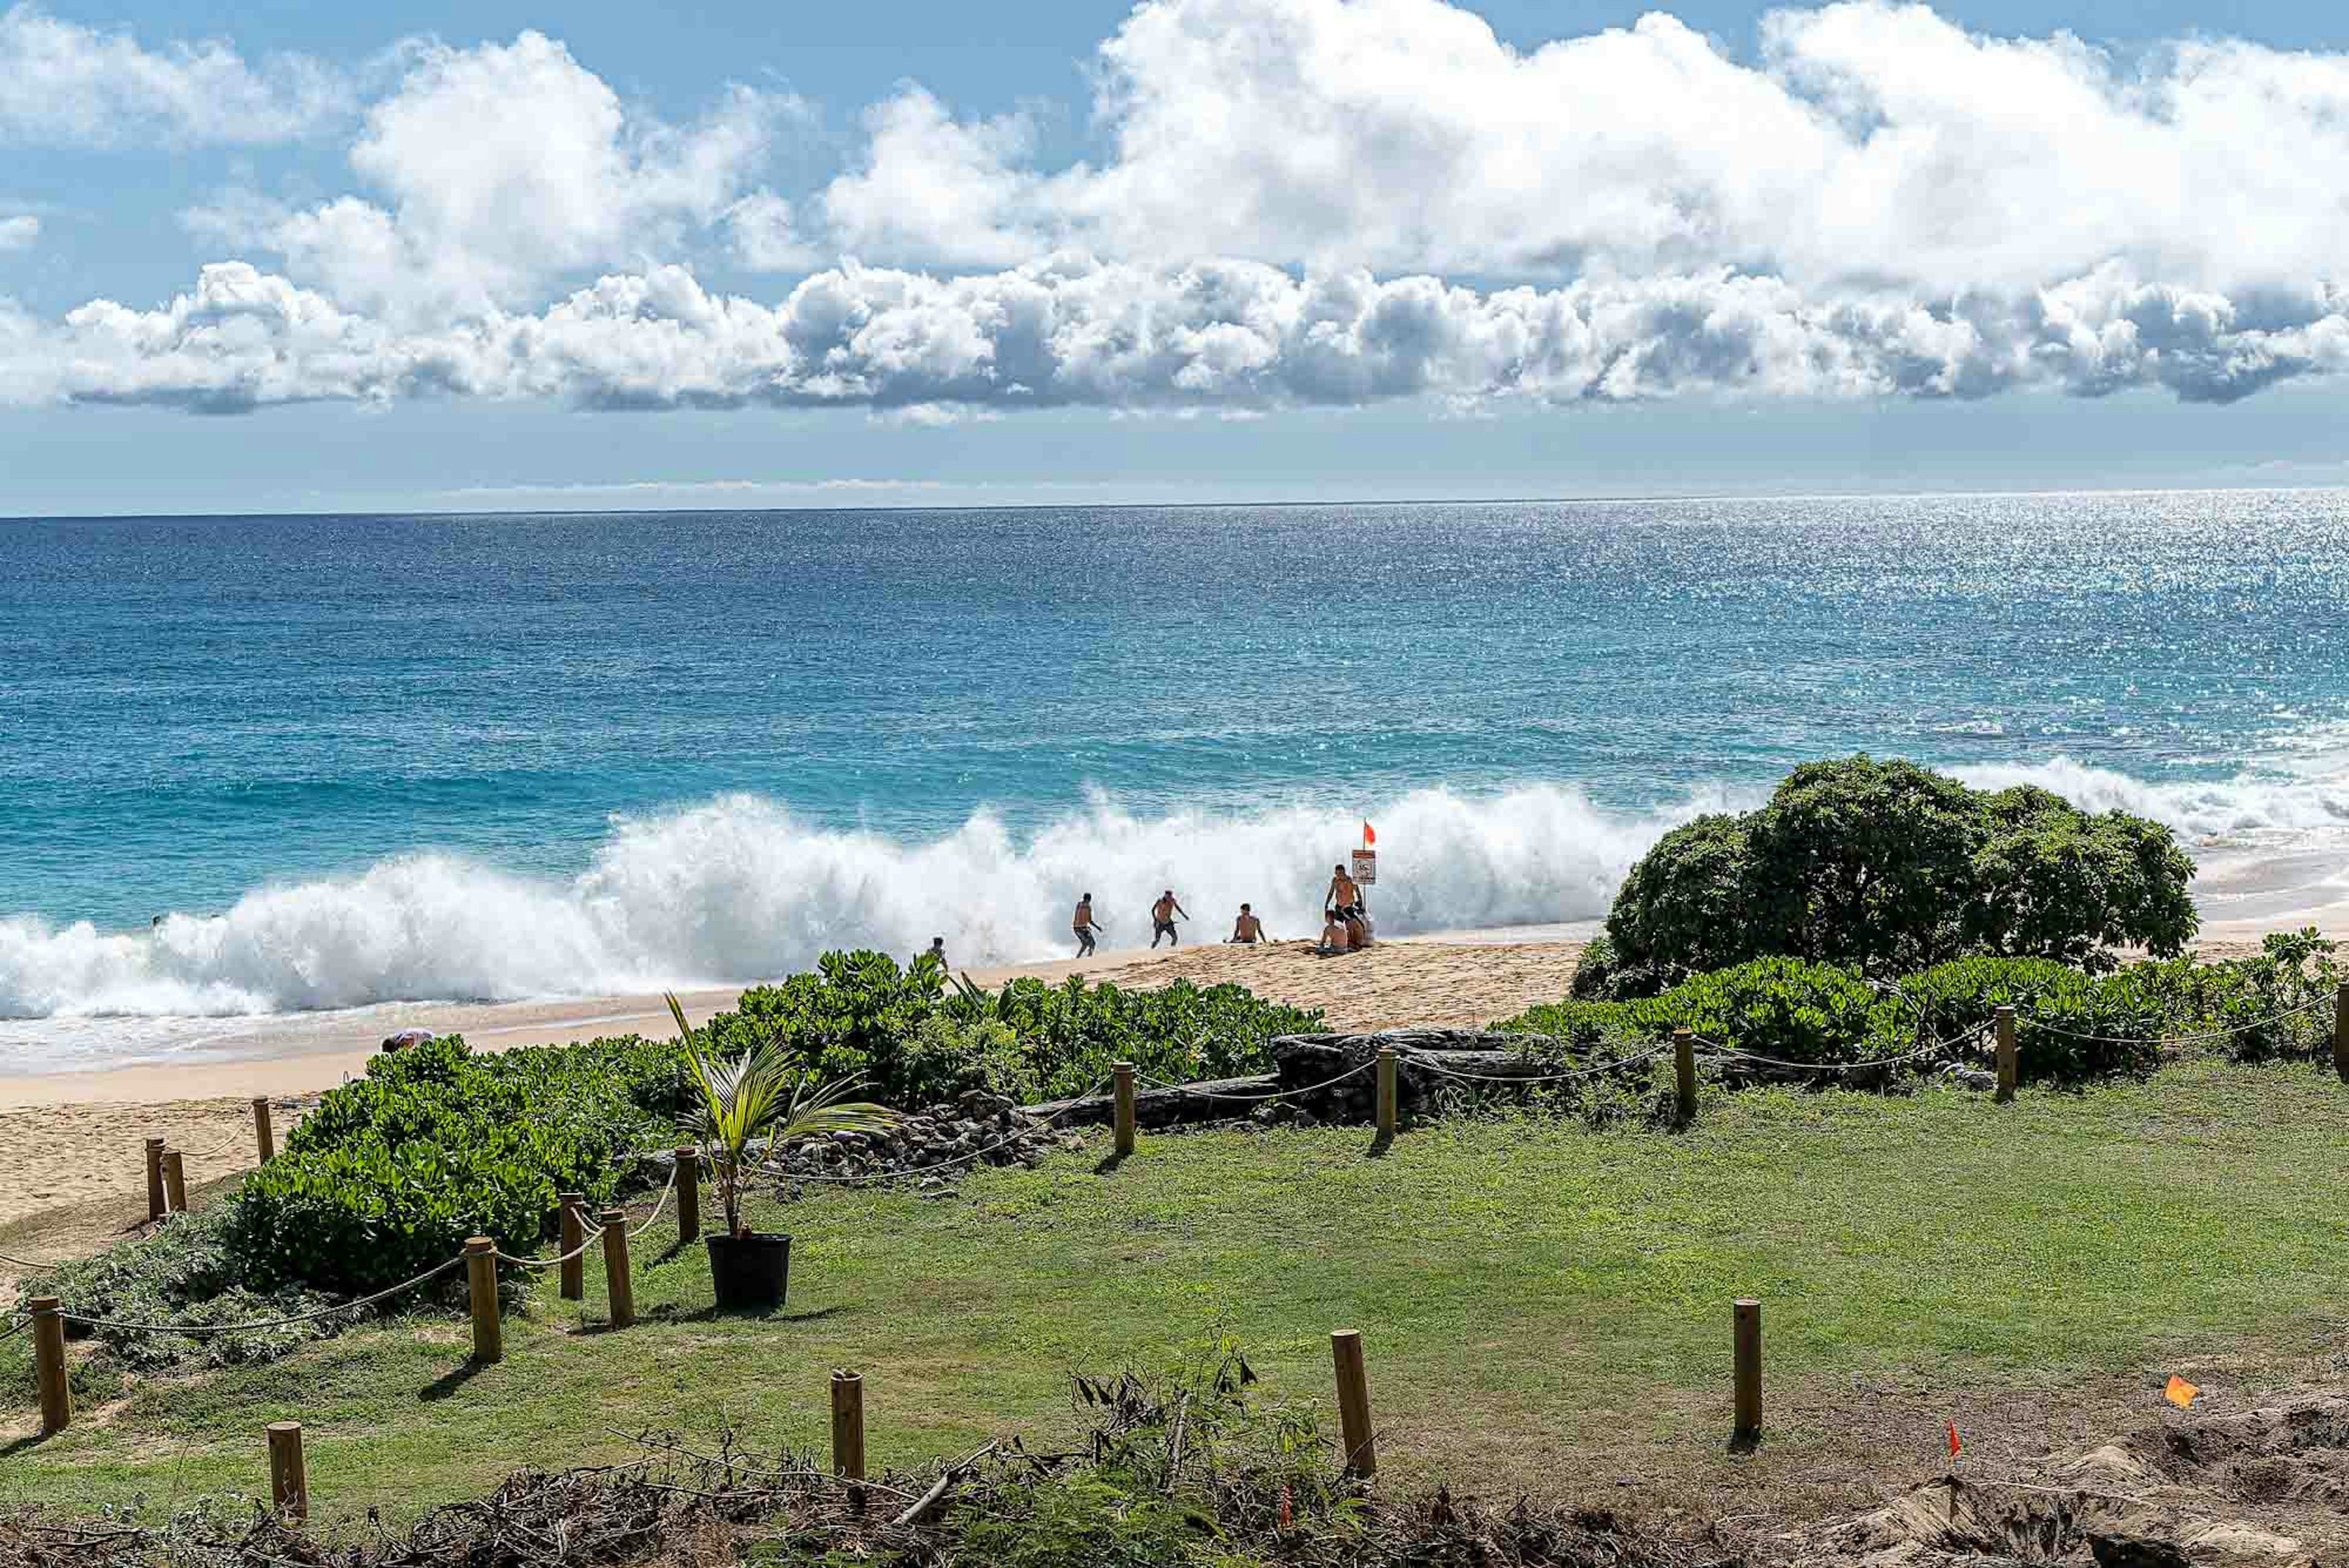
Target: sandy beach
71,1139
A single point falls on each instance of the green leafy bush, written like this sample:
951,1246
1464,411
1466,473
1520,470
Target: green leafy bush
1888,867
187,1272
1795,1010
391,1173
914,1042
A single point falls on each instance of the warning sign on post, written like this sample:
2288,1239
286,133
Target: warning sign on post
1366,866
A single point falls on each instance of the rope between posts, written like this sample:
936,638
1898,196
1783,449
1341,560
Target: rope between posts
659,1205
1276,1094
193,1329
1545,1078
29,1264
958,1159
213,1153
2173,1039
594,1233
1732,1054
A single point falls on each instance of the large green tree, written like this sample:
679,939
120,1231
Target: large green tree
1887,866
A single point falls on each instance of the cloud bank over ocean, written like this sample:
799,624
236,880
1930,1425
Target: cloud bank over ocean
1296,203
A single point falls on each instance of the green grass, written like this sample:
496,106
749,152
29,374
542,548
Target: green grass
1526,1291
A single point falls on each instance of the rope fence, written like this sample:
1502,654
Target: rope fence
198,1330
2268,1022
46,1316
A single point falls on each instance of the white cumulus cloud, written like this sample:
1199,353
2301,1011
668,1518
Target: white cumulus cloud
504,167
1868,141
1224,335
1293,202
18,232
66,85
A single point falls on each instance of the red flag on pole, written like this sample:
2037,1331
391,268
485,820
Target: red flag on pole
1369,837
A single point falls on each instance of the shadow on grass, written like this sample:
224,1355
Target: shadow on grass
450,1381
1379,1146
1109,1163
671,1313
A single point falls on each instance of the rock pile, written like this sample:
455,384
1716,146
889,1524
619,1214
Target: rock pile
936,1145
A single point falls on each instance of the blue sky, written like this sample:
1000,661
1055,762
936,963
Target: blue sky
1283,249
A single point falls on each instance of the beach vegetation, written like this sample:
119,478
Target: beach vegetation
2071,1025
760,1095
915,1039
1888,867
393,1171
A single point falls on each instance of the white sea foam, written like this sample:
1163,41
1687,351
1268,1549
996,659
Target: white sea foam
739,888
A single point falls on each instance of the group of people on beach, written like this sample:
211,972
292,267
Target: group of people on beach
1345,926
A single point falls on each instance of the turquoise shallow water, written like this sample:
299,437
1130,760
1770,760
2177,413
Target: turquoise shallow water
359,759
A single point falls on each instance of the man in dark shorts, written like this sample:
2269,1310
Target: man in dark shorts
1085,927
1161,919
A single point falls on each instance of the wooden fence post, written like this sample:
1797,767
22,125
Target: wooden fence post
175,1181
49,1363
156,1205
1386,1094
1749,1372
1124,1074
1684,1076
264,1138
573,1234
688,1194
481,1285
622,1289
848,1431
2341,1031
1354,1404
289,1474
2005,1016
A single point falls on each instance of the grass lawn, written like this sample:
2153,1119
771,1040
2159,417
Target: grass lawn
1543,1308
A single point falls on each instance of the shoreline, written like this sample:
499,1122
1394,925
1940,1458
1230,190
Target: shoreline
71,1142
283,1054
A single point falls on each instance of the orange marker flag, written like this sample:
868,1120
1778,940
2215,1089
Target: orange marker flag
1954,1444
1369,837
2180,1393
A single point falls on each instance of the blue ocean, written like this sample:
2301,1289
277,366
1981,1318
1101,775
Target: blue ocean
253,765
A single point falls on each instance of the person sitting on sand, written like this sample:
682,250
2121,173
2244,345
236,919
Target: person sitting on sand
1161,919
1335,937
1085,926
1248,929
1358,927
1342,893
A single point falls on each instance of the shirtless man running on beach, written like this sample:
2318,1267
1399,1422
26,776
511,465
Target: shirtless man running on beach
1085,927
1161,919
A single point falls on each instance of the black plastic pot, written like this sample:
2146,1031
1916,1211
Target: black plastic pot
750,1272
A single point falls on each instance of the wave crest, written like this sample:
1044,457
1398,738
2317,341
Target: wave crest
738,889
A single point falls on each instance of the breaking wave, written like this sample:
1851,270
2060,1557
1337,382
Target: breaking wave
739,888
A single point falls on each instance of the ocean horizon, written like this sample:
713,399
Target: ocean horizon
267,764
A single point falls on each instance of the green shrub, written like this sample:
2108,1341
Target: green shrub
915,1042
1794,1010
186,1273
1889,867
392,1172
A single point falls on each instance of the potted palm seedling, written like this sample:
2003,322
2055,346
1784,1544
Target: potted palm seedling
748,1106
